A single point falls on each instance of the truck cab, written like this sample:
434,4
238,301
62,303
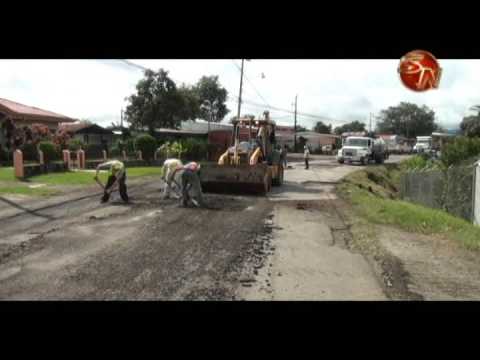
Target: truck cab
423,144
361,149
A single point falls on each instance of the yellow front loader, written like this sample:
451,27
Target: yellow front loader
249,166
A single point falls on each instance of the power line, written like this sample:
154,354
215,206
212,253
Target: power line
253,86
254,104
318,117
134,65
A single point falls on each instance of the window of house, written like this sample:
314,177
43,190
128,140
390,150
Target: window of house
85,139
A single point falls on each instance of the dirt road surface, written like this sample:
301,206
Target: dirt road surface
290,245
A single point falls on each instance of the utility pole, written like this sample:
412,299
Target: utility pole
121,118
406,125
295,127
239,101
370,124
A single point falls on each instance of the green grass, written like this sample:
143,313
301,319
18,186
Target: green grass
408,216
24,190
6,174
10,185
86,178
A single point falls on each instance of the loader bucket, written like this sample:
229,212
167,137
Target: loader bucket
236,179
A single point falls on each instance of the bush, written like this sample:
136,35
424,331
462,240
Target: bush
75,145
94,151
460,150
421,162
30,152
195,149
5,155
177,149
147,145
51,152
170,150
129,146
116,151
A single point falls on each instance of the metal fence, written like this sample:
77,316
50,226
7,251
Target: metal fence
452,190
476,199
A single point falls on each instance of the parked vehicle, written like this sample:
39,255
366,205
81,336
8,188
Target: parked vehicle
363,150
423,145
327,149
396,144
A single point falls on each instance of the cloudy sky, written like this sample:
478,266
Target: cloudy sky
336,91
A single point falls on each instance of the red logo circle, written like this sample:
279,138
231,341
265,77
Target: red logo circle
419,70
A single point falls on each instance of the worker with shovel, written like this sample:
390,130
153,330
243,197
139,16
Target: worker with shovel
169,168
191,181
117,176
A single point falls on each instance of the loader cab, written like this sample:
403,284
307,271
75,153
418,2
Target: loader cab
257,133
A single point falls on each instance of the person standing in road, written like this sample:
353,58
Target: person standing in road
117,175
285,153
306,156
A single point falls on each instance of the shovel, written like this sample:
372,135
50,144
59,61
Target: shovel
180,194
103,186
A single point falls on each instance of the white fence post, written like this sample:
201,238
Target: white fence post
476,196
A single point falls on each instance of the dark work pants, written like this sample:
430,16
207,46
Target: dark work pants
191,178
306,163
122,187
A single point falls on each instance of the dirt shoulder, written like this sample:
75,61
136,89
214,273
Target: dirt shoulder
411,264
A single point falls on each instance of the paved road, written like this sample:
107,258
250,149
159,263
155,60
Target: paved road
75,248
311,260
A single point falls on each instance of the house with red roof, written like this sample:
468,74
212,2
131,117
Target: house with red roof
24,115
27,115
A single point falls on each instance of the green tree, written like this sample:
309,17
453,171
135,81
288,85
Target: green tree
322,128
51,152
156,103
407,119
461,149
211,97
301,143
470,125
191,109
147,145
354,126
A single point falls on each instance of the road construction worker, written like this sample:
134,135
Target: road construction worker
116,175
191,181
169,168
306,155
283,155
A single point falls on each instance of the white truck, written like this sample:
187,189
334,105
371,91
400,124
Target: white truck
424,144
363,150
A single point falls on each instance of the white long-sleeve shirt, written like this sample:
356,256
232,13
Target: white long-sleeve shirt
169,167
306,153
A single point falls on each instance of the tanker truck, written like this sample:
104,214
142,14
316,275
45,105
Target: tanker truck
362,149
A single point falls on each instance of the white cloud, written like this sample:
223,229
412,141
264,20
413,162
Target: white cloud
340,89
